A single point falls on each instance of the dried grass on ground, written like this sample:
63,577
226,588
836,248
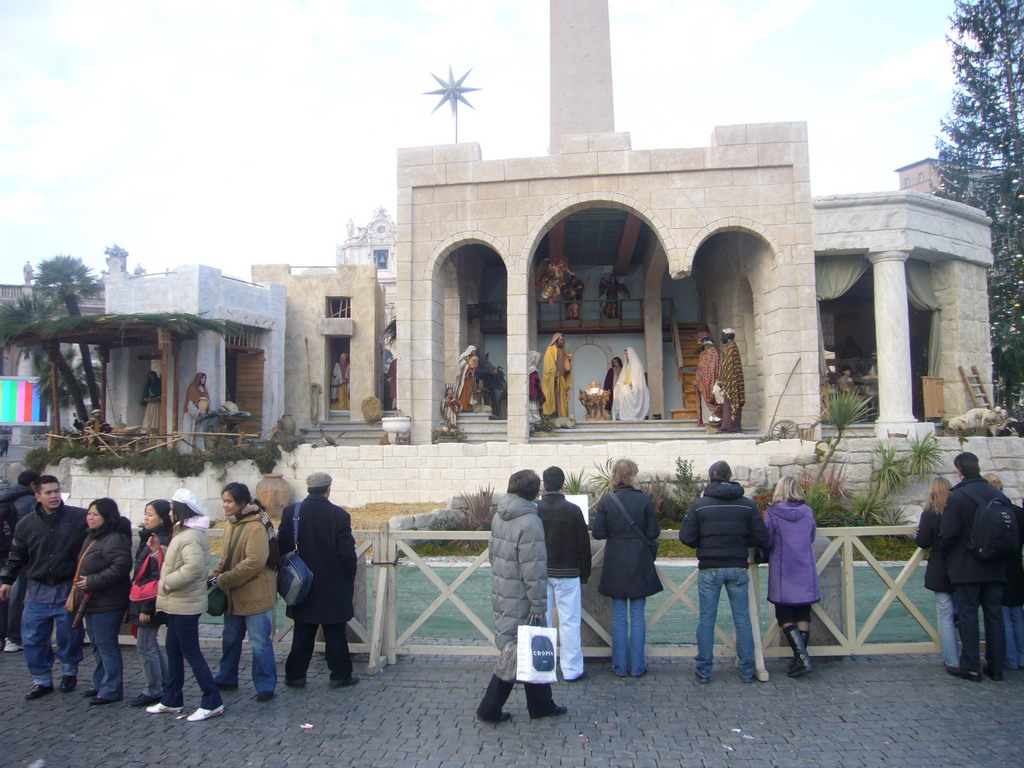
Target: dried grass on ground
369,517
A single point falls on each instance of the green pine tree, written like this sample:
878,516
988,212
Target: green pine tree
982,161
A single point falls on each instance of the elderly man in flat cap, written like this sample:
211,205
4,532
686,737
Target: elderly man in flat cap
322,534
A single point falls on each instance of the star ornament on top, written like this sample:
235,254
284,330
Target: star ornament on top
451,91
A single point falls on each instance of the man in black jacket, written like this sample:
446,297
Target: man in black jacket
568,546
976,582
326,545
722,525
46,546
16,503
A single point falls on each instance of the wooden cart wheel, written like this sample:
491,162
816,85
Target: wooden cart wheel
784,429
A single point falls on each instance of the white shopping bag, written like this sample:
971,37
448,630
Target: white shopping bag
537,655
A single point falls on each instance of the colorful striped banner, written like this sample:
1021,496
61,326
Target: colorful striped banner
19,402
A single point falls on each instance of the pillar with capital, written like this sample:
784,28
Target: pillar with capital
892,339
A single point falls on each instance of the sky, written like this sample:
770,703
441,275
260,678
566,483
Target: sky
234,132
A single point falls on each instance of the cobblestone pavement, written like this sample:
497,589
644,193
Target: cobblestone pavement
871,711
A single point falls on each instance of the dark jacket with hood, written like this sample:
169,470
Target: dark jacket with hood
628,571
16,502
936,577
327,547
955,529
46,546
152,573
106,564
722,525
566,537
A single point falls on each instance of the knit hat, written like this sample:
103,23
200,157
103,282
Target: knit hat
319,480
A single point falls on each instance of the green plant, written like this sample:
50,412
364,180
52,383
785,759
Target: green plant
601,481
448,434
843,411
264,455
662,493
575,483
762,498
689,486
824,497
888,470
867,508
477,515
546,426
925,457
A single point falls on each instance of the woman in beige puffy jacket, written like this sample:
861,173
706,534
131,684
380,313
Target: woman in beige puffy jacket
182,596
246,574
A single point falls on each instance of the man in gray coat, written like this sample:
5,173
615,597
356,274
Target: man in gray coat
518,594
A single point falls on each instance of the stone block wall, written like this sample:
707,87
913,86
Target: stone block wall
436,473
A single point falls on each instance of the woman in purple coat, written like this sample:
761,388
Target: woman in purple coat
792,569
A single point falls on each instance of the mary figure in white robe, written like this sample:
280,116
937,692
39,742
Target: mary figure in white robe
632,398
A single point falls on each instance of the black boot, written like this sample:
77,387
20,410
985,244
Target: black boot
802,665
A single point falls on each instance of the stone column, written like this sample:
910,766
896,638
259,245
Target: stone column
892,339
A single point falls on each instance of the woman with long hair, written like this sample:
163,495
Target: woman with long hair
627,519
182,596
792,569
156,523
936,577
104,576
246,574
519,593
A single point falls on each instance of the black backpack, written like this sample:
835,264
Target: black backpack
994,534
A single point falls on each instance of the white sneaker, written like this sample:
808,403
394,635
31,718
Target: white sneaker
205,714
160,709
11,647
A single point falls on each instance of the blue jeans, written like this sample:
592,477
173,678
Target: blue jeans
107,677
709,589
945,602
182,644
1013,621
264,668
628,636
37,621
154,663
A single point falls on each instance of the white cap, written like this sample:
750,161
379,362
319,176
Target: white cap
190,500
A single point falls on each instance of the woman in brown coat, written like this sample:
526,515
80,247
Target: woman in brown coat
246,574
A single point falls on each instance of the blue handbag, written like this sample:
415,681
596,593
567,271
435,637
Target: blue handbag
294,579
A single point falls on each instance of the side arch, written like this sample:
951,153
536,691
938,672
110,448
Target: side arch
684,266
450,244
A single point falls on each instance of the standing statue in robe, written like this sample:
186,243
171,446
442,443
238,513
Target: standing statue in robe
339,384
557,382
632,398
450,408
465,378
610,288
536,391
151,395
707,375
610,380
731,375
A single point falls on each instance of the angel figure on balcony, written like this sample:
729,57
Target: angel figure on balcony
610,288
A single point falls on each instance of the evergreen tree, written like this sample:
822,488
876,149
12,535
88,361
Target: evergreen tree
982,163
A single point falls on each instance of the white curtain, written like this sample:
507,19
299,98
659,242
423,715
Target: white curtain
834,276
922,296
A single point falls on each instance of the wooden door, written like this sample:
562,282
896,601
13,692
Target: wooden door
248,387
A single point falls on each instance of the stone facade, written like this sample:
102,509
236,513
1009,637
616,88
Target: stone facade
749,188
308,334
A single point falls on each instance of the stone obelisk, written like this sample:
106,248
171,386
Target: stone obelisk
581,69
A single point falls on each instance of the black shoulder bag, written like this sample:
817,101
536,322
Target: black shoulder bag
654,544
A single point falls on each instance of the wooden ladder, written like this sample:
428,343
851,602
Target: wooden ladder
975,389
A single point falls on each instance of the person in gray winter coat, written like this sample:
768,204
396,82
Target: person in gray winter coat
519,593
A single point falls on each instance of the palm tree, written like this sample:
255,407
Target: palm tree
31,309
67,279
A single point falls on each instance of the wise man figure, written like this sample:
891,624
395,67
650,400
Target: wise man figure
707,375
731,374
557,378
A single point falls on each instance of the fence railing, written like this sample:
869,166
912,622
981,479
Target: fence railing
406,590
850,618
